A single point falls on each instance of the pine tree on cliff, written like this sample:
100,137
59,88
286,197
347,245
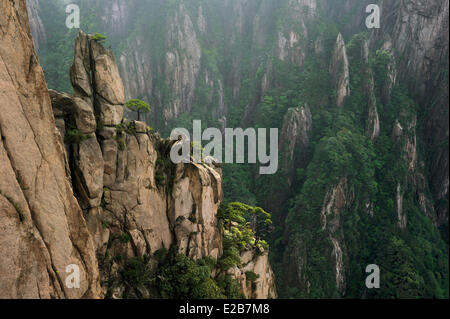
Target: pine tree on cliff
138,106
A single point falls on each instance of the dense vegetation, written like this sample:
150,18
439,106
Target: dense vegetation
172,275
177,277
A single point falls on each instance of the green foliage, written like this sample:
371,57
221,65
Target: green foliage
164,173
74,136
138,106
105,224
230,287
176,276
380,64
238,183
125,238
180,277
160,179
137,272
99,37
120,129
251,276
244,228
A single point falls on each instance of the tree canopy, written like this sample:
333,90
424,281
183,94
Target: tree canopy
138,106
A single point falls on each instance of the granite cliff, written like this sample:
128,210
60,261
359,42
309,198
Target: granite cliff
81,185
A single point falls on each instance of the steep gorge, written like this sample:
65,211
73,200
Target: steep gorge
363,116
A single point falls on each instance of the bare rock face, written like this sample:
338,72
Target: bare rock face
182,68
197,192
118,14
88,170
339,71
93,61
255,277
132,202
417,31
179,66
81,68
123,173
336,199
42,226
405,137
106,79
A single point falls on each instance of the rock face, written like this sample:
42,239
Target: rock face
339,71
182,75
255,264
373,122
136,201
122,174
43,229
336,200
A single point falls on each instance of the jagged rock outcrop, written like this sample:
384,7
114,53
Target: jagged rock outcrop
336,199
339,71
130,199
295,140
373,121
256,264
115,170
136,201
43,229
